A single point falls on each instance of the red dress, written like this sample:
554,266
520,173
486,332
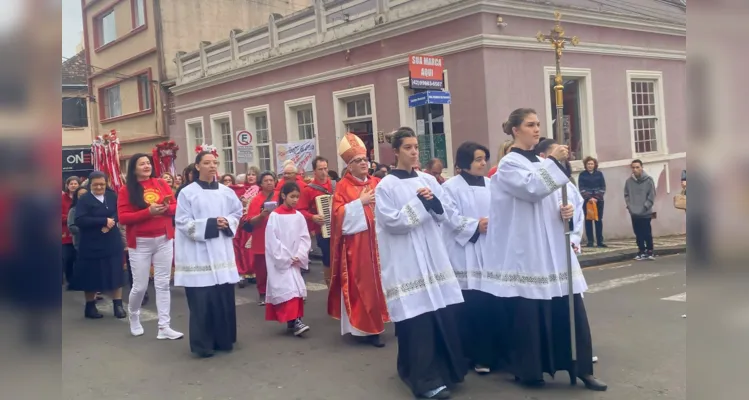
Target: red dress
243,240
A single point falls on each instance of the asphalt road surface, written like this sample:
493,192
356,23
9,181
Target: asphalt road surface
636,311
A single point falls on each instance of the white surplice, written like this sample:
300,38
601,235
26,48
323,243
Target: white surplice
471,203
526,233
416,273
578,220
286,236
201,262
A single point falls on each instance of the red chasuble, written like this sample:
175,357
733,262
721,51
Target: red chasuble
355,263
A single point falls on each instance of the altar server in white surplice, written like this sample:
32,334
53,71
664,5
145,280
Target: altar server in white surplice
206,219
527,242
421,290
464,235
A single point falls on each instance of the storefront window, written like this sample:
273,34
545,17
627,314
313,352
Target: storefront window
425,142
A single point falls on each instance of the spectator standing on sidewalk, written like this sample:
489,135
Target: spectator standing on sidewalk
592,185
639,195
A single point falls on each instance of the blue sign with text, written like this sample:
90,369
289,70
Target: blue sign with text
429,97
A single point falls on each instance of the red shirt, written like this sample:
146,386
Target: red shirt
492,172
258,230
299,181
67,201
138,221
307,205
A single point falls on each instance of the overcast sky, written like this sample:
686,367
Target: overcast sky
72,26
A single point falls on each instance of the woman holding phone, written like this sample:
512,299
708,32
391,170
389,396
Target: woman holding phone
257,213
146,206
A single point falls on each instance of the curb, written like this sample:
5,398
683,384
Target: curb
625,255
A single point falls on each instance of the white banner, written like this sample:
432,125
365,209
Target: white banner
301,152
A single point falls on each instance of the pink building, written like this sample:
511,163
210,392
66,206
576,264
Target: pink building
343,66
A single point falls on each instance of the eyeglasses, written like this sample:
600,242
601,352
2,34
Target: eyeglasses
359,160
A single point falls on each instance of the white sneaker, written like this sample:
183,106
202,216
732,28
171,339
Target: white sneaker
169,333
595,359
136,329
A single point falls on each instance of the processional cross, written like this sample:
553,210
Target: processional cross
558,41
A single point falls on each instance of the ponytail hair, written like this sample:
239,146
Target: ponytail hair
516,119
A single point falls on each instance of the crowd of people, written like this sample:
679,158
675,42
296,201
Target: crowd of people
472,270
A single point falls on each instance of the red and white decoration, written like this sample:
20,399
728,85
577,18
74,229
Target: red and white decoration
105,152
164,155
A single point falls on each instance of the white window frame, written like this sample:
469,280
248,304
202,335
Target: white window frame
587,117
108,106
216,120
189,136
139,9
292,127
407,117
340,114
101,31
660,109
249,122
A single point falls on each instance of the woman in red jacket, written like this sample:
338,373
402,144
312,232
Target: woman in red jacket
68,250
257,216
145,206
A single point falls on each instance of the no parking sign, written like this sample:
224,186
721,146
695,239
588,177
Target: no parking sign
245,151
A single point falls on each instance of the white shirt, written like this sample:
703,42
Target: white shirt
471,203
416,273
201,262
286,236
526,233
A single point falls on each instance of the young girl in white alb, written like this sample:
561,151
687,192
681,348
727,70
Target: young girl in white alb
287,245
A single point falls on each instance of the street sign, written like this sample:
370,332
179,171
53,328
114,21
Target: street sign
245,150
425,72
430,97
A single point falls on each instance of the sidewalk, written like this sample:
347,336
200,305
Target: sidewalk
625,249
618,250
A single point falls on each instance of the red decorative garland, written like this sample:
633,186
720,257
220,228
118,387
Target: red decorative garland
164,155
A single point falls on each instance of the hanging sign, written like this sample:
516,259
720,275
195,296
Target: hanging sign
245,150
425,72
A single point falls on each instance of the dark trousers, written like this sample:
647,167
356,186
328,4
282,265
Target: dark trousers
324,245
68,261
643,233
598,224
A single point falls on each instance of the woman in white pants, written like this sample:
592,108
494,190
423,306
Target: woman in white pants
145,206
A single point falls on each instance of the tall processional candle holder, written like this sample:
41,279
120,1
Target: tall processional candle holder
558,41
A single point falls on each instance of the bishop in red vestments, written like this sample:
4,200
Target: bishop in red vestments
355,296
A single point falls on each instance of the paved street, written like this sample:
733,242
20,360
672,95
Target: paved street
635,310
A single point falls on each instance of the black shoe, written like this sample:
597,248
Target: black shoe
590,244
531,383
119,311
251,281
601,245
205,354
593,383
376,341
242,283
145,299
91,311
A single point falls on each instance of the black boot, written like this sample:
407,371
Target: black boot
376,341
531,383
593,383
119,311
91,311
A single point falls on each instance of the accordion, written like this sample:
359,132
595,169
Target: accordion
325,208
